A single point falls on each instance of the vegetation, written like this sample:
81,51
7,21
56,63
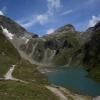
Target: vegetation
92,56
11,90
8,54
28,72
95,73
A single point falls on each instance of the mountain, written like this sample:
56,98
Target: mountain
13,27
23,54
8,54
92,53
24,82
54,49
65,46
14,32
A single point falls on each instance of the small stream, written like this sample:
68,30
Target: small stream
75,79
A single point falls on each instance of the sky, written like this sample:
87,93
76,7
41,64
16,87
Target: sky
45,16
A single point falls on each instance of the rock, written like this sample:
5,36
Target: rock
67,27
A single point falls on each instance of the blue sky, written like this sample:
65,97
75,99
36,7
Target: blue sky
44,16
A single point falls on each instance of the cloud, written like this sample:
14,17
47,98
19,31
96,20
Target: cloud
52,7
91,2
66,12
94,20
49,31
1,13
27,22
42,19
3,10
54,4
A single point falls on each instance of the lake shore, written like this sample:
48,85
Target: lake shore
65,94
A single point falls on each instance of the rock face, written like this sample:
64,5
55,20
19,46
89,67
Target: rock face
92,48
92,53
12,26
54,49
87,35
67,27
14,32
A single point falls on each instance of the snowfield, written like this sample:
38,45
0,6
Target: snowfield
7,33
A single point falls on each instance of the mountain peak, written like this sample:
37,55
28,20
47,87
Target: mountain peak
67,27
97,26
8,23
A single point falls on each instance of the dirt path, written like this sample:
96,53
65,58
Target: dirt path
57,92
65,94
62,93
96,98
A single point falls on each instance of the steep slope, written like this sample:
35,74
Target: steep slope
92,53
55,49
34,89
13,27
14,32
50,50
65,46
8,54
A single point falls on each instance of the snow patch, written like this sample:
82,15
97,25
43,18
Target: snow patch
1,13
50,31
25,39
7,33
8,75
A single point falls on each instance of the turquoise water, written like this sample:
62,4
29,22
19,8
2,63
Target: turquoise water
75,79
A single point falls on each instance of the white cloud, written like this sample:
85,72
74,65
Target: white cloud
52,5
1,13
42,19
28,22
3,10
67,12
93,21
49,31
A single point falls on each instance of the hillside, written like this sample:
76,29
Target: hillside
29,53
9,89
65,46
92,53
55,49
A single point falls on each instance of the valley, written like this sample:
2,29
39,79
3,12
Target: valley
35,68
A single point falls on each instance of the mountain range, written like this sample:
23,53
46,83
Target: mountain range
65,46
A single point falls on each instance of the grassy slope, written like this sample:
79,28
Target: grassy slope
28,72
92,56
8,55
11,90
66,54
